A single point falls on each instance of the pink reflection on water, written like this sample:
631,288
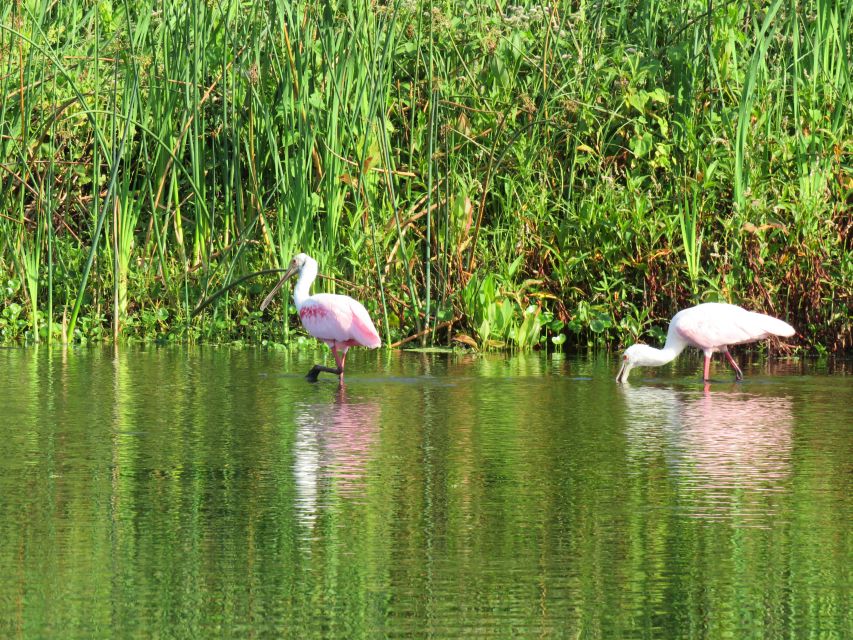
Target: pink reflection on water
738,440
332,452
728,453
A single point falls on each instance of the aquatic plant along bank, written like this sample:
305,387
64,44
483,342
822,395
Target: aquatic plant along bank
478,174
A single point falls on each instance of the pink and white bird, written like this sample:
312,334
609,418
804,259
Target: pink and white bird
337,320
711,327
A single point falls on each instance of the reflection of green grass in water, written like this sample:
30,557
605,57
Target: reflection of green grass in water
183,492
590,171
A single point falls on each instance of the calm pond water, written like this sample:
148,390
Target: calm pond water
212,492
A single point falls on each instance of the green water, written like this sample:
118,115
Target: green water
196,493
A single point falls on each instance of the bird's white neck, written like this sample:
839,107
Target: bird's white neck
307,275
652,357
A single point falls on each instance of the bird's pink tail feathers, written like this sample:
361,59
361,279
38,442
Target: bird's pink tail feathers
775,326
368,336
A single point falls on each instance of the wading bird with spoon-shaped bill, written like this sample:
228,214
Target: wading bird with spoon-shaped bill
712,326
337,320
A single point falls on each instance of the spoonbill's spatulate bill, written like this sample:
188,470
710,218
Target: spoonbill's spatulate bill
711,327
339,321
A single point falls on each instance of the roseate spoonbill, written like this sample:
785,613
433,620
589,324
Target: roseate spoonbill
711,327
339,321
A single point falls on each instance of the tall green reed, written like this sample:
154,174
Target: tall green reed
415,148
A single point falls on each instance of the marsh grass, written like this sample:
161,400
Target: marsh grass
493,178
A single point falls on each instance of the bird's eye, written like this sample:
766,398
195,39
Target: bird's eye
625,357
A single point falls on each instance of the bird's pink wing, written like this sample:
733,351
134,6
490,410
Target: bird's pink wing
713,326
709,334
362,325
336,318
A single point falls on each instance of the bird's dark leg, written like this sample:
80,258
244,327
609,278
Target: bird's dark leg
317,369
738,372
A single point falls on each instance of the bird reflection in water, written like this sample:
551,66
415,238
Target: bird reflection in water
729,453
332,452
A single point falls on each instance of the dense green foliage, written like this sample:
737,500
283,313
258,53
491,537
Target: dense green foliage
499,174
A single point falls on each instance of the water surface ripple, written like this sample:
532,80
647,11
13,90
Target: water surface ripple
212,492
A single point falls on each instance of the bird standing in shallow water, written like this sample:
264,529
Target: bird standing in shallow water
339,321
711,327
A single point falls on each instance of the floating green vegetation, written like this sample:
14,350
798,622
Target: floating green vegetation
491,174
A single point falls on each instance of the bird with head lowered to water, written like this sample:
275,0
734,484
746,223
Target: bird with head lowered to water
337,320
711,326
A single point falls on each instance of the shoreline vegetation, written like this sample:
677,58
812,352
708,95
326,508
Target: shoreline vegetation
486,174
